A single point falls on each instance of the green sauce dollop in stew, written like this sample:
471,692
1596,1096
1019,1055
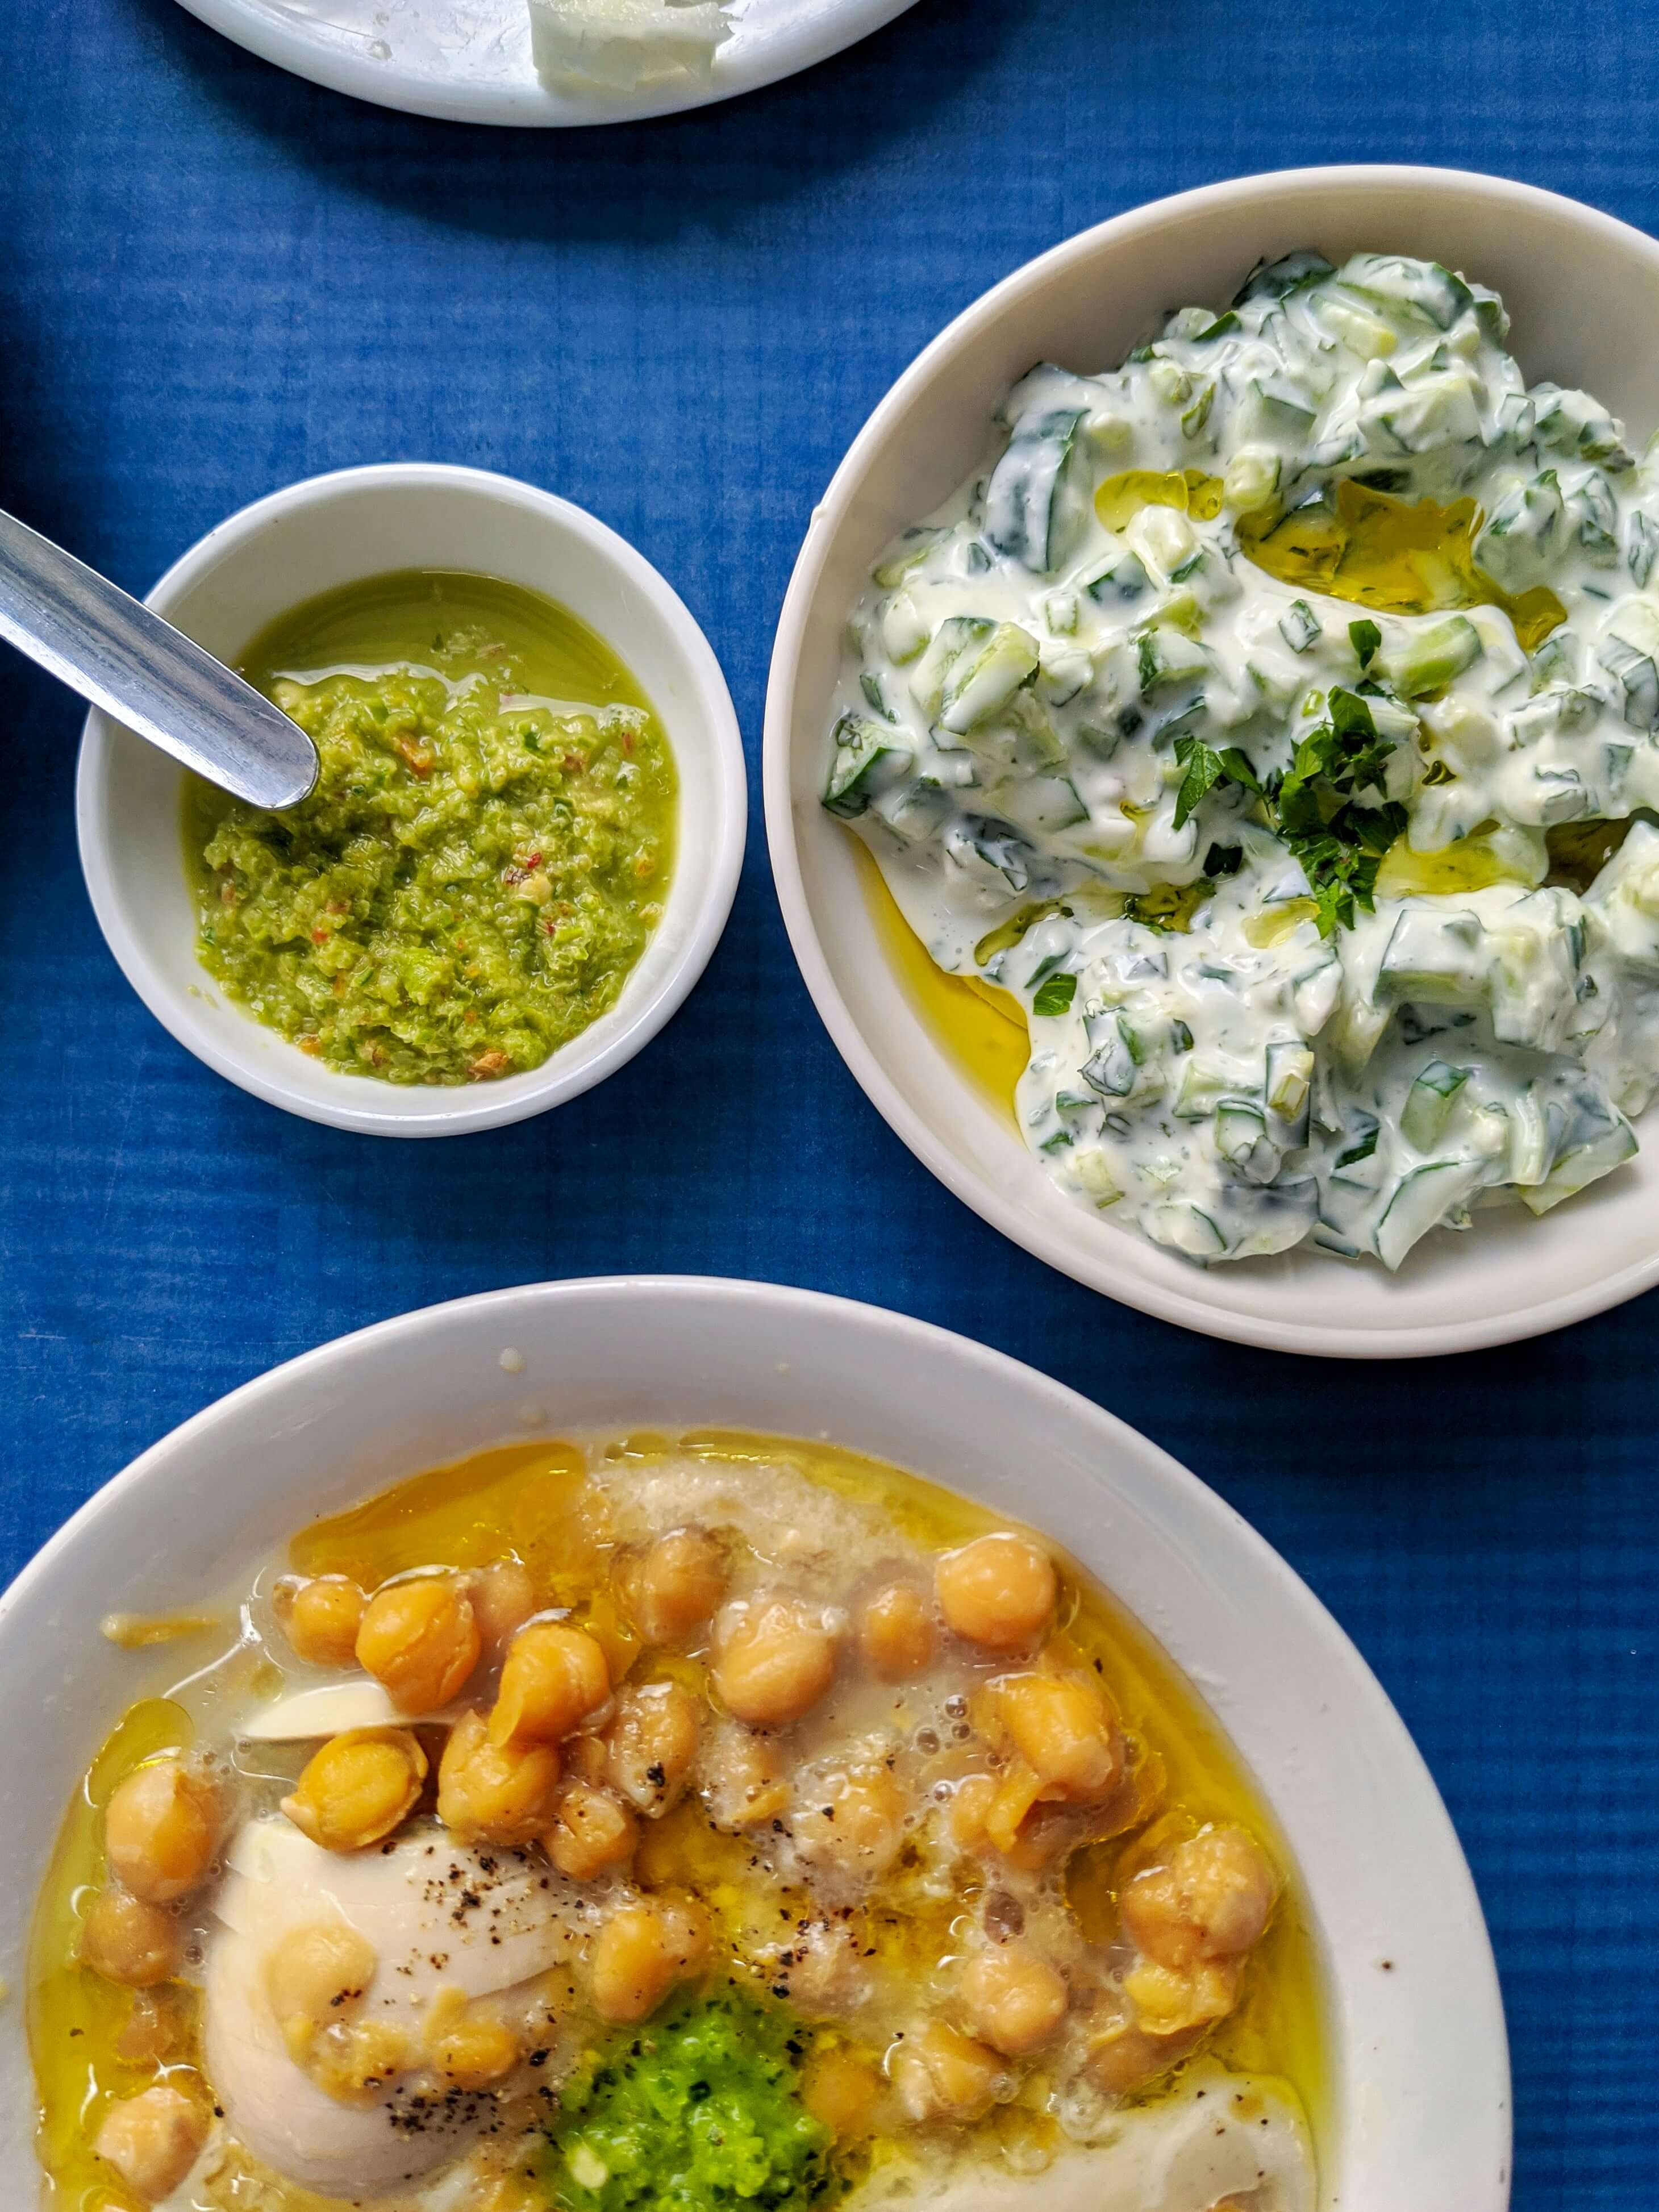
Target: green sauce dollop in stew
700,2112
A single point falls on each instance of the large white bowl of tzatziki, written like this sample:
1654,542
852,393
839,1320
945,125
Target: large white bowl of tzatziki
1251,713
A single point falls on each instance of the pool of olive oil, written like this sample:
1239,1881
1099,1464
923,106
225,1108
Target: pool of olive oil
979,1028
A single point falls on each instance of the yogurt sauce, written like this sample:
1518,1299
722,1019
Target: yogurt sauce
1239,721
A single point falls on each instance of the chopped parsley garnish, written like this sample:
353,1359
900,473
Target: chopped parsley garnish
1314,807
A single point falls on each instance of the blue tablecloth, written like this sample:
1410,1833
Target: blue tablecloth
217,279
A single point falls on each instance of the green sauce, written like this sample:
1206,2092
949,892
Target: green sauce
700,2112
487,850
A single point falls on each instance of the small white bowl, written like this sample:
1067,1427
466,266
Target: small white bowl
1583,292
335,529
1416,2117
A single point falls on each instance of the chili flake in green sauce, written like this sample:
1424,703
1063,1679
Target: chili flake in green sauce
487,850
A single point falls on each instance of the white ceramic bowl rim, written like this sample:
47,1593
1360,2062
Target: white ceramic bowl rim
702,886
1161,1287
1420,2107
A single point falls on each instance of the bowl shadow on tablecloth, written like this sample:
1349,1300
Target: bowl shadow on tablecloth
640,182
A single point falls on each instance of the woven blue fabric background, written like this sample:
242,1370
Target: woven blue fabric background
216,279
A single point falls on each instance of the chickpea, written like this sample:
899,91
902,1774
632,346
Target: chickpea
743,1782
160,1831
641,1951
490,1793
1012,1998
420,1639
1212,1900
503,1599
316,1976
129,1942
940,2074
1170,2000
554,1676
353,2061
998,1591
1125,2057
822,1966
841,2092
321,1619
852,1818
896,1634
1065,1733
586,1757
673,1589
472,2051
357,1788
774,1658
157,2030
650,1746
153,2140
971,1802
591,1833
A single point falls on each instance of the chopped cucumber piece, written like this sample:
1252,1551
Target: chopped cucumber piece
1202,1088
1573,423
1583,1164
1185,1229
918,544
1429,1103
1094,1172
1442,959
1279,408
1292,272
1290,1082
1030,513
866,760
1517,544
1640,543
1042,803
1637,677
994,847
1422,1199
1166,656
1422,288
903,632
956,636
1241,1138
1252,479
1425,660
1362,1132
1299,626
1111,1068
1270,1218
1421,417
973,667
1121,578
875,698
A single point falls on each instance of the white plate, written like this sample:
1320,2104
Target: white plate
1584,291
1418,2108
469,61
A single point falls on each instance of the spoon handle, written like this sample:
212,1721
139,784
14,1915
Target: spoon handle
148,675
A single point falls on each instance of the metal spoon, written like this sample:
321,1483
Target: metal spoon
148,675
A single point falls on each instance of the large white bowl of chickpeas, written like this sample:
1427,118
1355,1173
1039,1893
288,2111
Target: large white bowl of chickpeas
702,1745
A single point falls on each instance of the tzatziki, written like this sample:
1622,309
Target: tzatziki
1266,721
